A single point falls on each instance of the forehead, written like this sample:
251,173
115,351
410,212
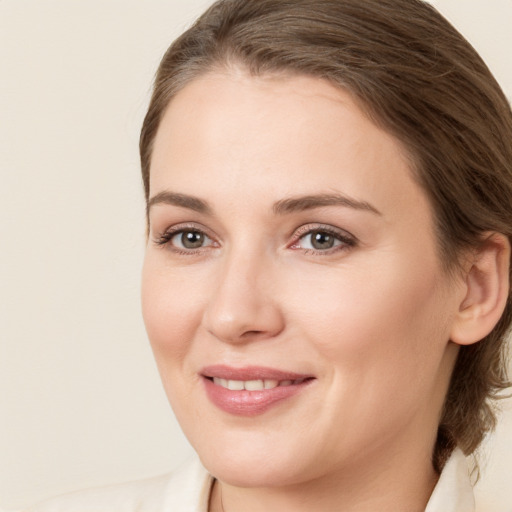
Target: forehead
237,136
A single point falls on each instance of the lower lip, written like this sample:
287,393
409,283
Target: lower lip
250,403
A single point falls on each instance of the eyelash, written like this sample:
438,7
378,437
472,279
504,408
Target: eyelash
164,240
346,240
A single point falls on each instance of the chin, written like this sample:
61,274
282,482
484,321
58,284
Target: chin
242,472
255,462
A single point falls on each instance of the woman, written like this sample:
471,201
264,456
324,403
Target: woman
327,277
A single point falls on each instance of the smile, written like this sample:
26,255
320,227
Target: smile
252,390
254,385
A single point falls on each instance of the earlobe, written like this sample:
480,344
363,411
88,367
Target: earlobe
487,288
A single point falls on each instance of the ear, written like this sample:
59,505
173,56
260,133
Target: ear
487,287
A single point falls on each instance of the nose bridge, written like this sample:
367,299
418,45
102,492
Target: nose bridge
243,305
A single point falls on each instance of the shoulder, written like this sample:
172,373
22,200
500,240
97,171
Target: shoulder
187,488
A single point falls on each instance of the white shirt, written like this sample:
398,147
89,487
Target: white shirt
188,490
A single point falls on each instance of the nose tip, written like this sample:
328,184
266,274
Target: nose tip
241,308
234,321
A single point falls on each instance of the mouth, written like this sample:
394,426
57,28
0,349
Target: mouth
254,385
252,390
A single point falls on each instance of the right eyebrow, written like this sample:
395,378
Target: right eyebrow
181,200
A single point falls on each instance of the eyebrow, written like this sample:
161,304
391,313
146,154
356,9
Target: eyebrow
302,203
182,200
281,207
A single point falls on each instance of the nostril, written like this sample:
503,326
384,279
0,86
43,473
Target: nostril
251,334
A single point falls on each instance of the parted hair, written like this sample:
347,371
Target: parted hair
416,77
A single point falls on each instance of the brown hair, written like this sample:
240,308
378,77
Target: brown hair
419,79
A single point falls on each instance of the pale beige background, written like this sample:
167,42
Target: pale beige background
80,399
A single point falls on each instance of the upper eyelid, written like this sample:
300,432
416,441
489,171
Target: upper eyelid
310,227
187,226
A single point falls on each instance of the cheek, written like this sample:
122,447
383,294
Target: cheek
376,321
378,337
171,310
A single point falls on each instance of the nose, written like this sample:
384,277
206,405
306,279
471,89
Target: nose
244,305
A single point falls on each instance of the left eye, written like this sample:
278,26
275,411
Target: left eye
320,240
190,239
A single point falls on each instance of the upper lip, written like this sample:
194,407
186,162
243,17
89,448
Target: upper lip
250,373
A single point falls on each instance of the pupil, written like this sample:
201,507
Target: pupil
321,240
192,239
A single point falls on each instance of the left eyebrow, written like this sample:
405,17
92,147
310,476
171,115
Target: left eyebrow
309,202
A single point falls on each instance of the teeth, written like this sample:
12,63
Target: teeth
252,385
270,384
235,385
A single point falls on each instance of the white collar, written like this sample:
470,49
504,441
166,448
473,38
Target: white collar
453,492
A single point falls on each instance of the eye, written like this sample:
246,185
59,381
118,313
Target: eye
190,240
319,240
322,239
184,240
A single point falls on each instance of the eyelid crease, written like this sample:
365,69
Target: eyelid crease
310,227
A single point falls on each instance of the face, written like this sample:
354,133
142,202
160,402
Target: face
292,289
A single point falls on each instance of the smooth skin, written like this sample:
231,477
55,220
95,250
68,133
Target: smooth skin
346,285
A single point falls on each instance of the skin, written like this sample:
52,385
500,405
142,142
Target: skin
370,318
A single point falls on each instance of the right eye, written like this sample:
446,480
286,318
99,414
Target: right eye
185,239
190,240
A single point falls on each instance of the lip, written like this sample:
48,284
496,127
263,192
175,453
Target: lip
251,403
